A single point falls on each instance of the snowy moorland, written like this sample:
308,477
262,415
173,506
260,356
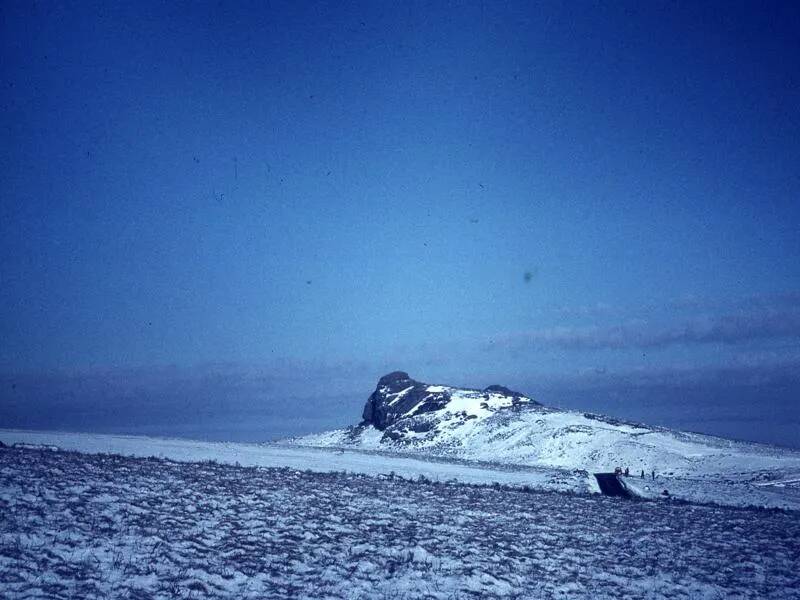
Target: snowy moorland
769,488
78,525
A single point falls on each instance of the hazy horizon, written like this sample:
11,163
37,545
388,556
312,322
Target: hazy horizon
225,403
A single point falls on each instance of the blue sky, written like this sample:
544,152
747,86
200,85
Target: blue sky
312,194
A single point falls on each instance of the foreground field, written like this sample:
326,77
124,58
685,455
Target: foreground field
97,526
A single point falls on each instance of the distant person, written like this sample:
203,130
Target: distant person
642,473
627,471
653,474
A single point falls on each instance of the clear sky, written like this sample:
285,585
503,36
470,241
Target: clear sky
226,209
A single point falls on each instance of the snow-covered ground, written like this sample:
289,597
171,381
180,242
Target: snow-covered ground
315,459
767,488
89,526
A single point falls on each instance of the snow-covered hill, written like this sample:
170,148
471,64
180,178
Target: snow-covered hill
498,425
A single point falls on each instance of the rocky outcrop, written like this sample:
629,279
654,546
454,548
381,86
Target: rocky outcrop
395,396
399,397
503,390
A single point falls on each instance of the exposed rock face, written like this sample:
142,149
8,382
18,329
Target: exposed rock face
399,397
395,396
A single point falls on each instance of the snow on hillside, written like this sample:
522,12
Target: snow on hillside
98,526
568,440
496,424
501,426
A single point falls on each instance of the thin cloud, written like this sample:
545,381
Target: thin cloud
734,328
754,372
764,300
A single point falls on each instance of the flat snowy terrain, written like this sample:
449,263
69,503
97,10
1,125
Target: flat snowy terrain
78,525
316,459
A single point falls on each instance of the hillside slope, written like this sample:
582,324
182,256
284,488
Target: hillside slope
498,425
